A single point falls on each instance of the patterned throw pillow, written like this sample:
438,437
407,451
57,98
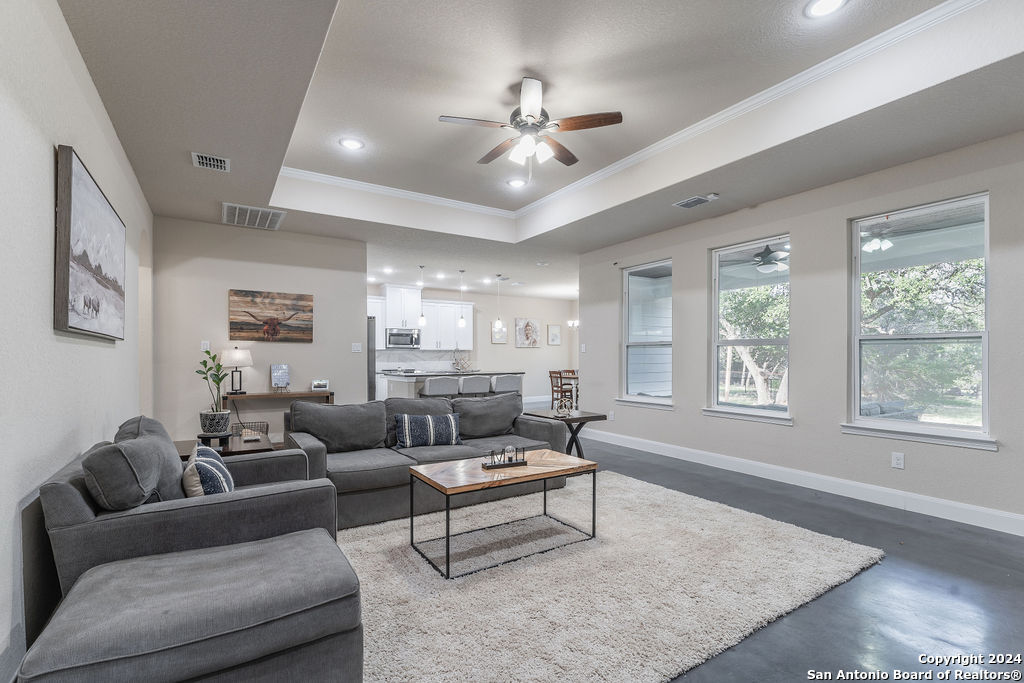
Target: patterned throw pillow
427,430
205,474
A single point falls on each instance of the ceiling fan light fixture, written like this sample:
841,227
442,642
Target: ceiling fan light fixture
767,267
543,152
518,155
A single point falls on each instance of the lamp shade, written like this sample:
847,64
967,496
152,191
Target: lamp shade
236,358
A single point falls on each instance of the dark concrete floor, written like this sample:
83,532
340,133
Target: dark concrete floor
944,588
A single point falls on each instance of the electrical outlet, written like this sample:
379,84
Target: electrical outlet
897,460
611,415
204,345
583,348
357,347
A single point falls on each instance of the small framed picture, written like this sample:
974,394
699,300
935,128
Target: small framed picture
319,385
499,336
554,335
280,377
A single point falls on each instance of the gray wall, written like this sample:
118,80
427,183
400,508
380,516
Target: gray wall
819,321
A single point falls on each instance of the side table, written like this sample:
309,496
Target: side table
234,446
574,421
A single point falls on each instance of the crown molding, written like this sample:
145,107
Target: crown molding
348,183
927,19
922,22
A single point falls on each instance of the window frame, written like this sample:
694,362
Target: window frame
636,399
945,434
715,342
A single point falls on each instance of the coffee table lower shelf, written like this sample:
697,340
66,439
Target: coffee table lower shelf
446,572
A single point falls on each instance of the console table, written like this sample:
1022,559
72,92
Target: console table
323,396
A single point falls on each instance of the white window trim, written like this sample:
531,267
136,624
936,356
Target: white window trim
636,399
714,408
942,434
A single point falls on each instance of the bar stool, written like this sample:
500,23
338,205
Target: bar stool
571,379
507,384
476,385
440,386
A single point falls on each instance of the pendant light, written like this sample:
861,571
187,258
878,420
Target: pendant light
462,289
423,319
498,325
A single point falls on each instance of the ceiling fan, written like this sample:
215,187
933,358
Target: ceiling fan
768,260
534,127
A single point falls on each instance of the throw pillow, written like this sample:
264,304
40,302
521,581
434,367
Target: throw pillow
427,430
205,474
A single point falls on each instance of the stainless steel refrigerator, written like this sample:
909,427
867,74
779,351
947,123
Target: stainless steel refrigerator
371,358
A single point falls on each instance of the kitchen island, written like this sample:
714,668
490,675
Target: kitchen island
407,383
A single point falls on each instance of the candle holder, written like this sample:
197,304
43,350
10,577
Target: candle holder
510,457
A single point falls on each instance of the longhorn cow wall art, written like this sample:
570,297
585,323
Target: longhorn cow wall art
269,316
89,262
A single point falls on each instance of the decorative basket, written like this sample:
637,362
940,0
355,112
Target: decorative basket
249,428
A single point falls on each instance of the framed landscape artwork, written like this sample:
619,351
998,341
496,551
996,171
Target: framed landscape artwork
499,336
527,333
89,258
554,335
269,316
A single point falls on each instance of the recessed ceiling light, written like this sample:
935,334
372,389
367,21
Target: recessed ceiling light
486,280
388,270
516,284
370,278
543,264
440,276
463,287
516,182
351,143
820,8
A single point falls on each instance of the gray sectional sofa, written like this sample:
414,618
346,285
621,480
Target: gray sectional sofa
356,447
238,586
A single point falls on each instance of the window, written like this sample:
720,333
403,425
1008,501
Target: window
750,323
919,318
648,332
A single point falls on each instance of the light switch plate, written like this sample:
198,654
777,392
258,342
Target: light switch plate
583,348
204,345
357,347
897,460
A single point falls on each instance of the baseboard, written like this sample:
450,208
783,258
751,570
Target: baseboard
989,518
535,399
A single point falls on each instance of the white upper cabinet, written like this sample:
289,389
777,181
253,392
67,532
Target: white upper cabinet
464,335
401,306
430,333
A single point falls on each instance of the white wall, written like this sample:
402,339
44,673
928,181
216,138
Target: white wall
194,266
63,392
819,323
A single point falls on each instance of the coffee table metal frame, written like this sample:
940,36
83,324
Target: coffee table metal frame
446,572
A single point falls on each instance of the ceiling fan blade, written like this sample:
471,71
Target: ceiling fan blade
607,118
561,153
498,151
472,122
530,98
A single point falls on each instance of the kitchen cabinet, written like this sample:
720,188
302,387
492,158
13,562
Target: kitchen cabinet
430,334
402,306
442,331
375,309
464,335
382,387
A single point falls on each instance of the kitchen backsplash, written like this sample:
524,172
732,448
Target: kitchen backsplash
390,359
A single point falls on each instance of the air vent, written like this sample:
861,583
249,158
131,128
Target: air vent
696,200
211,162
252,217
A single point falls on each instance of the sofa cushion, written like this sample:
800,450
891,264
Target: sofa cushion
133,471
206,474
411,406
353,427
488,415
427,430
425,454
188,614
497,443
169,483
376,468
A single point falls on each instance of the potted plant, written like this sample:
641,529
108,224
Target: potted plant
214,420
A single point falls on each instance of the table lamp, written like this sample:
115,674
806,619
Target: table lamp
239,358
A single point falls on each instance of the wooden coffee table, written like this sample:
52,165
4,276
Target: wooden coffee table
463,476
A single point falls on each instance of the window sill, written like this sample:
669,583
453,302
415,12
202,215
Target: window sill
768,418
655,403
941,437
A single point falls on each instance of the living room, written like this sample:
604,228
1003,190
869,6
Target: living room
817,128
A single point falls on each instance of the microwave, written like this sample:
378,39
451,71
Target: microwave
403,339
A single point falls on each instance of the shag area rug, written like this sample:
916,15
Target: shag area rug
670,581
